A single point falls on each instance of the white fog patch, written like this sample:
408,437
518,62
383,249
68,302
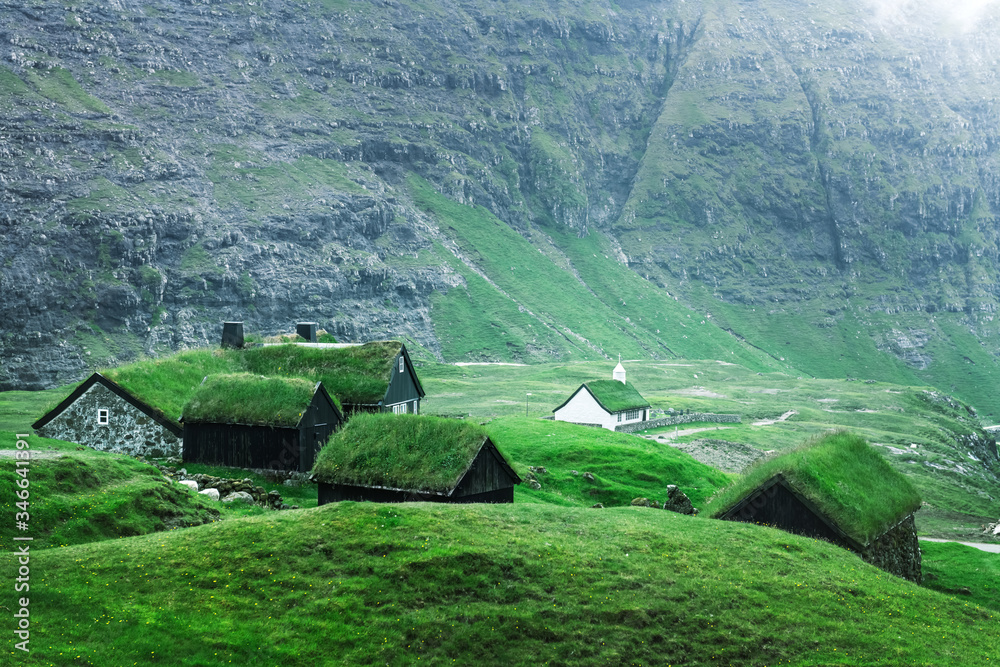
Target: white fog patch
963,14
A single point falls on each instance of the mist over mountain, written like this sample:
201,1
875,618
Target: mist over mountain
808,187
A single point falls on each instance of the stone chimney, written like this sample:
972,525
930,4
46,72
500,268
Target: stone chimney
619,372
232,335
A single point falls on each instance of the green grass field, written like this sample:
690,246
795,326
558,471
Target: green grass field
77,495
521,584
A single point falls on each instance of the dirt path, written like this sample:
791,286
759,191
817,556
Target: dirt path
35,454
982,546
679,433
769,422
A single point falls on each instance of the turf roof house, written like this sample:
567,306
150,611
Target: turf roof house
387,458
370,377
838,489
605,403
103,415
256,422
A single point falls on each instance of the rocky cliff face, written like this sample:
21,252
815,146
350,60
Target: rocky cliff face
825,171
173,164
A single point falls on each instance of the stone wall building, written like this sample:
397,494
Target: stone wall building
103,415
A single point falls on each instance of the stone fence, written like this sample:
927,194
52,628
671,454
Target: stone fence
679,419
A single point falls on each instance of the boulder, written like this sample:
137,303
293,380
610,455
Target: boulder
588,476
640,502
677,501
190,483
535,485
212,494
598,506
239,495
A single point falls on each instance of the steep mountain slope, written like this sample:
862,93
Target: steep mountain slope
556,180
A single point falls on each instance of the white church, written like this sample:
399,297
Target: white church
605,403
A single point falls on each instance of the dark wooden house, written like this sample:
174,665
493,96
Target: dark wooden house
371,377
103,415
382,458
393,383
867,509
258,422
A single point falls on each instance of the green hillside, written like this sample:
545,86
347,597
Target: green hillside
77,495
519,584
624,467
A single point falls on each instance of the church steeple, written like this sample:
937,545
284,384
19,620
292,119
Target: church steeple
619,372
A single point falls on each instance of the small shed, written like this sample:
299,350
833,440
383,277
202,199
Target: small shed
839,489
249,421
371,377
605,403
103,415
387,458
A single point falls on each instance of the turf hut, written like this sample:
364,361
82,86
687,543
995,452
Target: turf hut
373,377
249,421
103,415
837,488
385,458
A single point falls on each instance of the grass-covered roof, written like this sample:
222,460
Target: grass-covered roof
843,476
615,396
243,398
410,452
355,374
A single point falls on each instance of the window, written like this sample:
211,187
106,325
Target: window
400,363
399,408
102,416
630,415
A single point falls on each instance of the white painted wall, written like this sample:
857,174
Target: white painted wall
584,409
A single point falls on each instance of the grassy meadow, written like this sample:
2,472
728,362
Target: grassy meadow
78,495
521,584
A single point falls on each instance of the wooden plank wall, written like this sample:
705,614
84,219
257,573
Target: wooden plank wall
242,446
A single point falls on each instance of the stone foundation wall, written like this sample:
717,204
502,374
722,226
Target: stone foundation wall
679,419
897,551
128,431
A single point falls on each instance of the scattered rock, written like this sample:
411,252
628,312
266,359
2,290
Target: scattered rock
226,487
574,472
239,495
535,485
599,506
588,476
677,501
640,502
211,493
